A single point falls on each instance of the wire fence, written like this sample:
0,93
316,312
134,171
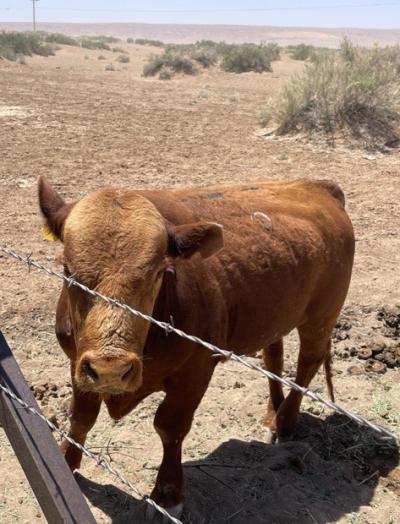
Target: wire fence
97,457
229,355
169,328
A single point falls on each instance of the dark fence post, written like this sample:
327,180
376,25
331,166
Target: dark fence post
54,486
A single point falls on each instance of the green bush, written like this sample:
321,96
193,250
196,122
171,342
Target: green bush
89,43
301,51
130,41
247,57
103,38
146,41
58,38
124,59
355,91
171,61
118,50
15,43
207,57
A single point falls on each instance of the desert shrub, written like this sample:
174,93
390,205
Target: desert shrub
247,57
103,38
166,73
101,57
174,62
301,51
273,50
89,43
153,65
110,67
207,57
130,40
354,91
147,41
124,59
13,43
118,50
58,38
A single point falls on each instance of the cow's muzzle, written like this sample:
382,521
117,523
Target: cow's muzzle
109,374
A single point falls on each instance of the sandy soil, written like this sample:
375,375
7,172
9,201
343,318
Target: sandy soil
67,118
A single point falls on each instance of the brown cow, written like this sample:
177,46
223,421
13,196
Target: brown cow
238,266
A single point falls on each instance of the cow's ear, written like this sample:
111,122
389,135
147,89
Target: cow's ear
54,209
201,237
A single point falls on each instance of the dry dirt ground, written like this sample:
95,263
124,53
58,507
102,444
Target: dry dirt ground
67,118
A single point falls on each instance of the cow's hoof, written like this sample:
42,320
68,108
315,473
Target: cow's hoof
284,438
270,436
151,514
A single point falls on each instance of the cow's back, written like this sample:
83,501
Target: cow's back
288,245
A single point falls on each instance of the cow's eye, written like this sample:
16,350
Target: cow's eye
160,274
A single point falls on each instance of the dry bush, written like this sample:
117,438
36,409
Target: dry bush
124,59
247,57
355,90
58,38
91,43
146,41
170,61
301,51
14,44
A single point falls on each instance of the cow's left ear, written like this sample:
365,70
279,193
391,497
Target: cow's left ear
54,209
201,237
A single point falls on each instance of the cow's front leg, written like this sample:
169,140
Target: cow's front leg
83,414
172,422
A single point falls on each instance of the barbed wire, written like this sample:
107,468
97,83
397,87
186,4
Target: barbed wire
97,457
229,355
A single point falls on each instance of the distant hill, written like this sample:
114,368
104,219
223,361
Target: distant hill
325,37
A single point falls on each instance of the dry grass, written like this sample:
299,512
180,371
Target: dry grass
354,91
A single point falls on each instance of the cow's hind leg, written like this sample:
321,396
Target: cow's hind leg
273,360
313,352
172,422
84,410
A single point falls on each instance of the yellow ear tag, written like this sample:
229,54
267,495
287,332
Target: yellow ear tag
48,235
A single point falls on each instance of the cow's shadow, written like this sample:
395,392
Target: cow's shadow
330,469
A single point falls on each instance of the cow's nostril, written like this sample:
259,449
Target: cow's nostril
89,371
128,374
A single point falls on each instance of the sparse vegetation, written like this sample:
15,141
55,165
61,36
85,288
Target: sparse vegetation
101,57
124,59
91,43
146,41
14,44
110,67
236,58
59,38
354,91
247,57
168,64
301,51
118,50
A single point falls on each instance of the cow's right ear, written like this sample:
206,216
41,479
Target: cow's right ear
54,208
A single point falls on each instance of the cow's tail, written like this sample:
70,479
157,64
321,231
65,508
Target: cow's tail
328,373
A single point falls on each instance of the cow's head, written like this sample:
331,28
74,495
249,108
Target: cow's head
116,242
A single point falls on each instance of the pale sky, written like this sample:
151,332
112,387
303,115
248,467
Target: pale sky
316,13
